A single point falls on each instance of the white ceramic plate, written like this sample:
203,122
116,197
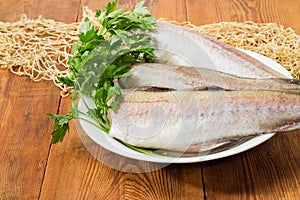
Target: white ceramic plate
112,145
175,48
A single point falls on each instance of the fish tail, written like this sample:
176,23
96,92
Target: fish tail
292,83
295,82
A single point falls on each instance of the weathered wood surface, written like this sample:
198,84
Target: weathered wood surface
32,168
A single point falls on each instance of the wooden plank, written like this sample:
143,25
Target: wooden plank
25,135
73,173
273,167
64,11
25,128
225,178
270,171
169,9
282,12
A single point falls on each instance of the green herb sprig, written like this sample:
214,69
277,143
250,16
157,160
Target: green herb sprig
102,56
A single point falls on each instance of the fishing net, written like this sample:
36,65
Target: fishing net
40,48
269,39
37,48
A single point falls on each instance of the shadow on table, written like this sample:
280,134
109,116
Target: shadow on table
269,169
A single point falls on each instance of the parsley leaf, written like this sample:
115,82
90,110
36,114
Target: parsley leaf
61,127
102,56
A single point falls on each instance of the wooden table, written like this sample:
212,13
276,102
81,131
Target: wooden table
32,168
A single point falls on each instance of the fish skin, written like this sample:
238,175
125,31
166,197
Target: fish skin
144,75
192,120
225,58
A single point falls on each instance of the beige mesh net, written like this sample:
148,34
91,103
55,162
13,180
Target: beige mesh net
37,48
269,39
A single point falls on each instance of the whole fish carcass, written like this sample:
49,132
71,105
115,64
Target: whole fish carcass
145,75
224,57
191,120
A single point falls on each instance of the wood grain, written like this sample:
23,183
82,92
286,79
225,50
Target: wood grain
273,168
64,10
25,128
159,9
25,135
32,168
73,173
206,12
262,172
225,179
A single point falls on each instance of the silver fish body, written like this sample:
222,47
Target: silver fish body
191,120
173,77
222,57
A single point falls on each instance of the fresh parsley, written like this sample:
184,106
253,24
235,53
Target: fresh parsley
102,56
